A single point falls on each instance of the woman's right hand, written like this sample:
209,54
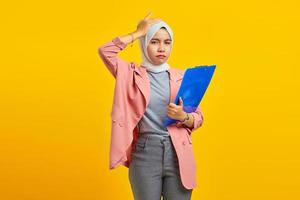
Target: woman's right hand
145,24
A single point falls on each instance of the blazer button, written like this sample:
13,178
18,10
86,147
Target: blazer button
121,124
183,142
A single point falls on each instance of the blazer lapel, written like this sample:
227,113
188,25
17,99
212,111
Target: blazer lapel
143,82
175,77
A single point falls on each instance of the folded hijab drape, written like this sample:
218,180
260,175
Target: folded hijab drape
144,41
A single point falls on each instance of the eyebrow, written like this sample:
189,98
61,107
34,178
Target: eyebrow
158,39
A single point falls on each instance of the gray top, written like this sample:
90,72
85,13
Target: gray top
156,112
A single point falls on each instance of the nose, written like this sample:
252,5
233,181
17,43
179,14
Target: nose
161,47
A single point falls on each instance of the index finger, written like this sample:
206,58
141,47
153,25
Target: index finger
173,105
148,15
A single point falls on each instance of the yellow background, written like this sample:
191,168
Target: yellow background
56,96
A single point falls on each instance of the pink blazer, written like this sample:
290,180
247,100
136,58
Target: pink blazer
131,97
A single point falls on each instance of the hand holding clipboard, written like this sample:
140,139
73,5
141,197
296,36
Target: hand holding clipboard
192,89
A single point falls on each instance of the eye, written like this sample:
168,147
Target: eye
153,42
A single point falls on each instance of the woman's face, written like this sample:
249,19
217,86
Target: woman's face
160,44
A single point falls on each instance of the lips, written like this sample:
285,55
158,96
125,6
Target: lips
160,56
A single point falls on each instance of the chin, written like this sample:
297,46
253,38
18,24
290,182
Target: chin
159,62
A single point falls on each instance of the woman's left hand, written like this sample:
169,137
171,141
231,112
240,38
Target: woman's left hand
176,112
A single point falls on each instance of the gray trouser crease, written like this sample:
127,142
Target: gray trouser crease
154,170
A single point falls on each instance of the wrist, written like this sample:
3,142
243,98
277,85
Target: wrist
136,34
185,118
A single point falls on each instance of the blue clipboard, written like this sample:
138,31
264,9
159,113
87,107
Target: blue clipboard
193,86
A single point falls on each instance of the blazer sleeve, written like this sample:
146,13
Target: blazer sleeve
108,52
198,120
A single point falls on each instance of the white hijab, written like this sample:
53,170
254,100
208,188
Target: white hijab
143,41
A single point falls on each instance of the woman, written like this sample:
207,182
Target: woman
160,159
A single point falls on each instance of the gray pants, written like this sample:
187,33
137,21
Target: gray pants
154,171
